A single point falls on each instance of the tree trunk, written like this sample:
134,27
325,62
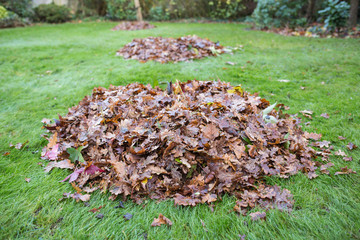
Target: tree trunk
354,4
310,10
138,10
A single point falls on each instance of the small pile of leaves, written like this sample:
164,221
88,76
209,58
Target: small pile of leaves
316,31
131,26
165,50
193,143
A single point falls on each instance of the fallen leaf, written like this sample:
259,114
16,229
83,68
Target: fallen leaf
340,153
258,215
161,220
6,153
283,80
348,159
27,179
351,146
341,138
100,216
128,216
96,209
230,63
325,115
62,164
345,170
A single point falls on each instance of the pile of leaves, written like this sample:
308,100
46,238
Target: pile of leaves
317,31
131,26
165,50
192,142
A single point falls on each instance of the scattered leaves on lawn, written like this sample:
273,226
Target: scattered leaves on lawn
19,146
257,216
131,26
340,153
128,216
345,170
193,143
96,209
307,113
325,115
77,196
351,146
165,50
120,205
161,220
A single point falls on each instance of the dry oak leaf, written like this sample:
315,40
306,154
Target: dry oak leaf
210,131
62,164
351,146
340,153
258,215
161,220
345,170
313,136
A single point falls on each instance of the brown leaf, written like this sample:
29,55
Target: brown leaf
258,215
345,170
325,115
161,220
351,146
340,153
341,138
348,159
210,131
313,136
27,179
96,209
6,153
62,164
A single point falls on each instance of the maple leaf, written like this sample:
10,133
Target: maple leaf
52,154
161,220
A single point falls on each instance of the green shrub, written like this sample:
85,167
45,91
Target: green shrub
52,13
278,13
13,20
21,7
159,14
229,9
335,15
3,12
121,10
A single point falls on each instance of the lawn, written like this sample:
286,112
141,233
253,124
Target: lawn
46,69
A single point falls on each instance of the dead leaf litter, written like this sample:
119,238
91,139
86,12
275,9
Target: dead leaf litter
192,143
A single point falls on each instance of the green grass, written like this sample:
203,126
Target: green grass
82,56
